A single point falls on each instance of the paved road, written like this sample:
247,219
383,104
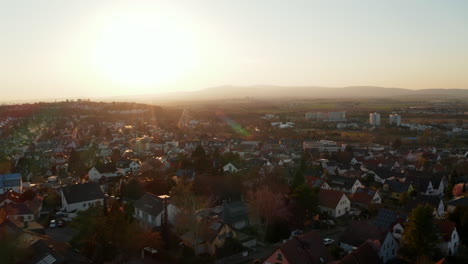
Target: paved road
62,234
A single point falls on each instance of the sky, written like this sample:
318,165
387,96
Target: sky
88,48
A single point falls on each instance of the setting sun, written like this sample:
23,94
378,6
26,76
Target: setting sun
143,50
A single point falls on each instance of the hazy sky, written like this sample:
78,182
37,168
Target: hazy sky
57,48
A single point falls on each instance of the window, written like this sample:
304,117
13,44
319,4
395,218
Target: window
279,256
84,205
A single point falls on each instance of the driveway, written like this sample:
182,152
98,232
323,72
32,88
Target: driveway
62,234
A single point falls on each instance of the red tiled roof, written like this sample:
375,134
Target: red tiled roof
307,248
446,228
365,254
12,196
363,195
330,198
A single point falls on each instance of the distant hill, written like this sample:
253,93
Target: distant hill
271,92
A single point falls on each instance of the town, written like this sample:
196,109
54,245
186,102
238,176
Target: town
235,181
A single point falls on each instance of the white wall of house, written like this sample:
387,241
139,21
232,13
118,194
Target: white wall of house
94,174
342,207
440,209
18,189
81,206
376,199
134,166
397,231
25,217
389,248
440,190
430,189
325,186
450,248
229,168
356,185
155,221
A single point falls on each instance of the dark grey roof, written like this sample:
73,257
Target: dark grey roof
386,218
342,182
358,232
458,201
398,186
82,192
423,199
420,183
234,212
150,204
17,209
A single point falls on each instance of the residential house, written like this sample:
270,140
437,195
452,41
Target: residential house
94,174
391,220
435,201
307,248
235,214
80,197
344,184
396,188
10,197
421,184
213,238
11,181
358,233
366,197
450,239
451,205
367,253
18,211
230,168
149,210
334,203
315,182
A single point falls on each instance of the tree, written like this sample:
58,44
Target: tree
403,198
397,143
115,155
199,152
266,207
133,190
306,201
52,200
230,247
421,235
110,235
460,217
298,179
183,197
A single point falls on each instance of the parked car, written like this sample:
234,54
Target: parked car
60,223
328,241
53,224
296,233
329,222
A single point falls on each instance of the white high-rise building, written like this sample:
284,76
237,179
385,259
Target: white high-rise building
395,119
374,119
337,116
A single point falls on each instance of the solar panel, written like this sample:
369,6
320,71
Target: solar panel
49,259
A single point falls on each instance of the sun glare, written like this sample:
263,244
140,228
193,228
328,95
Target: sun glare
144,50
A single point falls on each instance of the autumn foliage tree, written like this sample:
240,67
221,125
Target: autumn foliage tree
421,235
110,235
266,207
